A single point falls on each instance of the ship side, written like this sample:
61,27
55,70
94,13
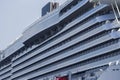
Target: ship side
76,41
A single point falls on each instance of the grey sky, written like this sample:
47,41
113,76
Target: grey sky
16,15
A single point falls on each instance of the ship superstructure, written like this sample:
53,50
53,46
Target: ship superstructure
76,41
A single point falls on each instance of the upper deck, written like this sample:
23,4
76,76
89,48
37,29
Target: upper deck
52,19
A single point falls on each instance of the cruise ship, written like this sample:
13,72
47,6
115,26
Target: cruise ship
79,40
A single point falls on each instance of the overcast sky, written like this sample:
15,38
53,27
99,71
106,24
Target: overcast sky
16,15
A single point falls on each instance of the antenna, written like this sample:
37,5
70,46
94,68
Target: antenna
114,13
117,8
